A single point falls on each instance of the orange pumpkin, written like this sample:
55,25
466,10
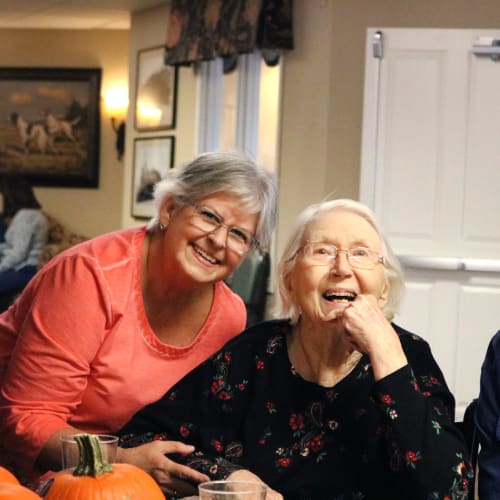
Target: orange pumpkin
12,491
94,477
7,477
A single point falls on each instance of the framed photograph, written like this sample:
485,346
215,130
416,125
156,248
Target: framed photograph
156,94
51,133
153,157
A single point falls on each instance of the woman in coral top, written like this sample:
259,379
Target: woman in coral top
111,324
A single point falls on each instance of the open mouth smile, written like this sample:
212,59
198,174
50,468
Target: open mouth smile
336,295
205,256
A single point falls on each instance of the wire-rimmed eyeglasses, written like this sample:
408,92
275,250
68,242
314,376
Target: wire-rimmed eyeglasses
323,254
238,239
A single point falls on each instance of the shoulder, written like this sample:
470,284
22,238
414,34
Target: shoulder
419,354
224,294
265,338
417,349
409,338
110,261
27,215
495,343
109,248
492,358
243,353
257,342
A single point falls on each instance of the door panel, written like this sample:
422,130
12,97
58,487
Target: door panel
481,236
430,170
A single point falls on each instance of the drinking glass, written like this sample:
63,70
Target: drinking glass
70,454
232,490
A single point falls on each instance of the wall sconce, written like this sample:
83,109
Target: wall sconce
116,103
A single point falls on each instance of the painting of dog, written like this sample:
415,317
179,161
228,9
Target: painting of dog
32,134
60,127
49,125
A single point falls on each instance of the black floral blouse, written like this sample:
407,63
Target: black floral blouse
246,407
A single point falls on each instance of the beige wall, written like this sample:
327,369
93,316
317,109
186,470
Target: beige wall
149,29
88,211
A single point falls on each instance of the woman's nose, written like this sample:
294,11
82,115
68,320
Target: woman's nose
219,236
341,264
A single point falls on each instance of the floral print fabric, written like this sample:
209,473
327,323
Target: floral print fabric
246,407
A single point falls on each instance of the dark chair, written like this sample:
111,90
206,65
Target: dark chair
469,431
249,281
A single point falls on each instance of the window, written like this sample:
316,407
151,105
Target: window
240,110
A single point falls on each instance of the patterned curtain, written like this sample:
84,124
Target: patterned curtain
201,30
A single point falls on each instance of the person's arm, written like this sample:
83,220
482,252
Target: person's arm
20,234
431,453
65,319
202,409
188,412
488,423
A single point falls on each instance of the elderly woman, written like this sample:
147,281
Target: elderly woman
334,402
112,324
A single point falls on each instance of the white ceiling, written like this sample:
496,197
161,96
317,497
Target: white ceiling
71,14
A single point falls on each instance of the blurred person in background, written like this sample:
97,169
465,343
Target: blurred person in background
26,232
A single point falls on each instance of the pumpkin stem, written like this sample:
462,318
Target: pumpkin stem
92,462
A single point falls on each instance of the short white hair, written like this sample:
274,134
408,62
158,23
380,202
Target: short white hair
285,305
229,172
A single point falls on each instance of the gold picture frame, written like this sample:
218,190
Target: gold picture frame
156,91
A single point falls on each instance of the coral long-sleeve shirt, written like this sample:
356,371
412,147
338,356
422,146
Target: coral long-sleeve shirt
77,349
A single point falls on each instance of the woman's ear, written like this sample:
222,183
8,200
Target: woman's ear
288,284
167,208
384,294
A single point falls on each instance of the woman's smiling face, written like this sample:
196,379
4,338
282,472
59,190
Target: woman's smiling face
322,292
204,257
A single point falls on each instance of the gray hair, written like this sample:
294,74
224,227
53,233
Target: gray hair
286,307
229,172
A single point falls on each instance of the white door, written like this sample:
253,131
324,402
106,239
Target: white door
431,172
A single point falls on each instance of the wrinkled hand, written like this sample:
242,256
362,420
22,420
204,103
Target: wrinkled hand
365,324
246,475
368,331
175,479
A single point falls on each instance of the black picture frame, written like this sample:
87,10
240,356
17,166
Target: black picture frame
155,106
50,131
153,157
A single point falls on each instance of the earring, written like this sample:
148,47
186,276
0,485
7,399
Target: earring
163,228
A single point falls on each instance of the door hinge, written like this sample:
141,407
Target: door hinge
487,46
378,45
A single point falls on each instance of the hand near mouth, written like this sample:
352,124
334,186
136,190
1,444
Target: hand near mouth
336,314
369,331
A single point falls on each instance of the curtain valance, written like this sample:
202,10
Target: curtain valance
201,30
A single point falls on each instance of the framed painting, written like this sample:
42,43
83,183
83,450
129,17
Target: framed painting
52,131
156,91
153,157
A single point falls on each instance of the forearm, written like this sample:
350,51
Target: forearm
50,455
433,454
387,359
31,436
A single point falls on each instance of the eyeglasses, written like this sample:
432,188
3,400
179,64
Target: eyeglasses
239,240
323,254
